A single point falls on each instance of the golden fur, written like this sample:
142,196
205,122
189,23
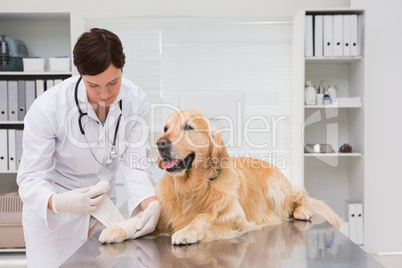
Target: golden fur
244,192
219,196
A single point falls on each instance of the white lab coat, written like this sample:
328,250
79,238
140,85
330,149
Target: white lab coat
56,158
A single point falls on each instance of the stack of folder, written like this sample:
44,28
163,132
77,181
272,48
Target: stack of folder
10,149
334,35
17,96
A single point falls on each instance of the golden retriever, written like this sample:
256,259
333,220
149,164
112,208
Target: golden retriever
206,195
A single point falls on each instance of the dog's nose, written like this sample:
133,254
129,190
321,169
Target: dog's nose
163,143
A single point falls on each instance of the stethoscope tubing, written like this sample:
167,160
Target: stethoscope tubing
82,114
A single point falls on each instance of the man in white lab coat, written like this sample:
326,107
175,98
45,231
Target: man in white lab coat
76,134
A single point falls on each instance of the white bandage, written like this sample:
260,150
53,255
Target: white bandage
107,213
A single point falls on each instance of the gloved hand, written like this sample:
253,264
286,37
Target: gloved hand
80,201
148,220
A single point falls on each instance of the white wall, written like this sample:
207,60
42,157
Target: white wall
211,8
383,126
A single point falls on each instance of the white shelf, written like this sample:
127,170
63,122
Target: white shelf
11,123
34,73
10,250
332,59
331,106
8,172
318,155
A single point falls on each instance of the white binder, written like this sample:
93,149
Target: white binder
30,93
318,36
354,36
328,36
12,154
3,101
3,150
12,100
49,83
346,35
338,35
359,224
40,87
352,222
355,215
21,100
57,81
18,146
309,36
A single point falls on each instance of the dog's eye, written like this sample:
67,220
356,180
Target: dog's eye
188,127
165,129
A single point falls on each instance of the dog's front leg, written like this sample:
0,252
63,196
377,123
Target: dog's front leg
194,232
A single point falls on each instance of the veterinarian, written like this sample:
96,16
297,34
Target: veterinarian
77,133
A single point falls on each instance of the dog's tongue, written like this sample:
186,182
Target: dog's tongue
166,164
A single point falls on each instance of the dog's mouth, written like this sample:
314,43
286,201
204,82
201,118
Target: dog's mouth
175,165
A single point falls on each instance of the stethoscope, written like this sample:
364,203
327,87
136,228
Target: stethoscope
112,150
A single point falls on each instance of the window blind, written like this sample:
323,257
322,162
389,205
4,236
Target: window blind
169,56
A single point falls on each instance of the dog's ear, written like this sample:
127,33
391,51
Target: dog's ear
219,156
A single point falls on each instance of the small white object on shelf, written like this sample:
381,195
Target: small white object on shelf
34,64
59,64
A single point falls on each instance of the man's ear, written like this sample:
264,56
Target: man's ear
219,155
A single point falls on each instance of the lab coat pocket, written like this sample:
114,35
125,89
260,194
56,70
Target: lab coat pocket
55,220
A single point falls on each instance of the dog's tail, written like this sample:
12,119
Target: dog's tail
321,208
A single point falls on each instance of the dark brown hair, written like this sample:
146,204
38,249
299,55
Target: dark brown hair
96,50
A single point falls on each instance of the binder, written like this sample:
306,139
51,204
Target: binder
359,224
49,83
3,150
352,222
30,94
40,87
309,36
21,100
354,36
57,81
3,101
12,166
346,35
12,100
318,36
338,35
18,147
328,36
356,226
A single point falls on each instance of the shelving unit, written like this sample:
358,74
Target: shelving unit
45,35
333,177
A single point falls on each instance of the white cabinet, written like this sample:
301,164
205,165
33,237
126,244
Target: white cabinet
45,35
334,177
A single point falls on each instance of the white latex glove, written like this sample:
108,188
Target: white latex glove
79,201
148,220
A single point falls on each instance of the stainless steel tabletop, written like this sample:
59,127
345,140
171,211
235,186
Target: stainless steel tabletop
291,244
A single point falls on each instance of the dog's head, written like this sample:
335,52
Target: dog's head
190,141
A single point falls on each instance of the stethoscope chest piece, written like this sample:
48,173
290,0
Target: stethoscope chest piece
112,153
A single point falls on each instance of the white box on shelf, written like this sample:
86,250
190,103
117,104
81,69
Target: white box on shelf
34,64
59,64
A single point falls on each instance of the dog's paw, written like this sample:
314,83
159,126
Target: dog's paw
302,213
112,234
185,236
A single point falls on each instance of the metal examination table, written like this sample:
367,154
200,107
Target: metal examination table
291,244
